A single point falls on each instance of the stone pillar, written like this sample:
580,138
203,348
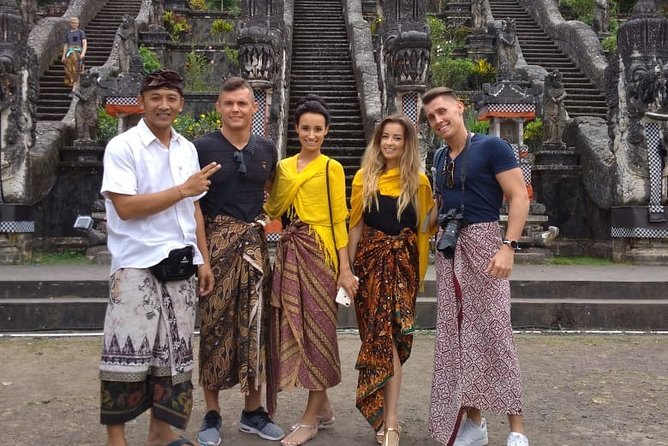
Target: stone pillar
404,55
21,184
638,79
261,54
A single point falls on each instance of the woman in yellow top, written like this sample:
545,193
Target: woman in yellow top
311,263
389,239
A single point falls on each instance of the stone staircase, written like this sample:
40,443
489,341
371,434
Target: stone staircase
54,101
321,64
583,97
614,297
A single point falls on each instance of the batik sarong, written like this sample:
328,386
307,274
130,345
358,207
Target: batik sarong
475,359
304,313
72,66
148,333
235,316
387,267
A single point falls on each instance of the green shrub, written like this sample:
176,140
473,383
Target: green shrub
610,43
232,56
107,127
374,25
453,73
149,59
198,72
533,133
176,25
192,128
221,26
230,6
578,8
198,5
483,72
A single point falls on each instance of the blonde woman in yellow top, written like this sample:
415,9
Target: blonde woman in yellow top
311,263
389,238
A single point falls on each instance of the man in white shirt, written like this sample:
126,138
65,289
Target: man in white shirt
152,183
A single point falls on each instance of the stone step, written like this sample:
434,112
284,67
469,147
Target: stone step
49,305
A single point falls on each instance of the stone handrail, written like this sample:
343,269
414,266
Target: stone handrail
578,40
364,64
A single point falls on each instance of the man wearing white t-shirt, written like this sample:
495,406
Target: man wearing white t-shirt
152,183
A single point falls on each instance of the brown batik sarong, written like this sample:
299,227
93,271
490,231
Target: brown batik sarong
72,66
387,267
475,359
147,357
305,351
235,316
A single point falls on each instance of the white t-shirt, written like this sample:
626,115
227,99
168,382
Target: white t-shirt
136,162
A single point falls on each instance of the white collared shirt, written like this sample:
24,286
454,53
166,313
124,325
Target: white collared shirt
136,162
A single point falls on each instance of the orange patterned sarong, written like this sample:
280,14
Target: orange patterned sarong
387,267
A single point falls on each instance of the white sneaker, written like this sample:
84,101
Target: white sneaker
470,434
517,439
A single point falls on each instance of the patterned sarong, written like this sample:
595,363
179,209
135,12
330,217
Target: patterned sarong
387,267
148,331
304,345
235,317
475,360
72,66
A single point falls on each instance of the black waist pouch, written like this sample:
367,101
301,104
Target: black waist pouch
177,266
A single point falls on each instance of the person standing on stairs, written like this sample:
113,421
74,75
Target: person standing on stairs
152,183
389,241
74,51
475,359
309,193
235,317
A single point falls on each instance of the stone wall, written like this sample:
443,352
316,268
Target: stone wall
364,64
578,40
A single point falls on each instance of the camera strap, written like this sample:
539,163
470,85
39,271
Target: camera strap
464,170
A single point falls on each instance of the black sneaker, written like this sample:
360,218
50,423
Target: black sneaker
209,433
259,423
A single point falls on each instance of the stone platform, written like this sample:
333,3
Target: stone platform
629,297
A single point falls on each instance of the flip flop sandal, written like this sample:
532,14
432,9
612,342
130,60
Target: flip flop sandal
380,435
326,421
295,428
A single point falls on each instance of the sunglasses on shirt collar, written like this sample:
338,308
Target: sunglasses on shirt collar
239,158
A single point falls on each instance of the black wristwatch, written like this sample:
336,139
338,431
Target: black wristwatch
513,244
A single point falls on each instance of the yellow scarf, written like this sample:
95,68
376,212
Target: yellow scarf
306,192
389,184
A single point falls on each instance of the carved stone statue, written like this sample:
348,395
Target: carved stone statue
601,23
408,57
258,49
128,45
555,116
506,52
478,14
156,15
85,114
29,11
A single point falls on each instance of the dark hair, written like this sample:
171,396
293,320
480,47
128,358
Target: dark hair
162,79
235,83
312,103
438,91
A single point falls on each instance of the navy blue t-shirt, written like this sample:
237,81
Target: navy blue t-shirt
233,193
483,197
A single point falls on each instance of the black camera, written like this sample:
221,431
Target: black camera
451,222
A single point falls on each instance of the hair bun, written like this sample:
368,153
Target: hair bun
311,97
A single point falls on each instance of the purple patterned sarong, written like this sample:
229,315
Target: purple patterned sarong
475,360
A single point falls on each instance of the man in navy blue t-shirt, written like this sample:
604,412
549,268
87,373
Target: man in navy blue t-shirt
475,362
